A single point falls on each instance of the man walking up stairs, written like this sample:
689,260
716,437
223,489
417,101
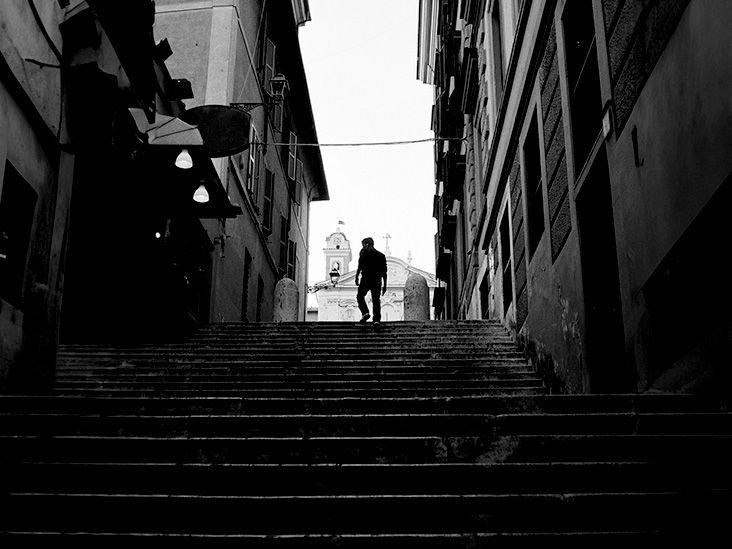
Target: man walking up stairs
435,434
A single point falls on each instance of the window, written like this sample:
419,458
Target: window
299,183
505,236
497,47
583,78
534,189
283,244
252,182
277,116
292,157
300,179
17,210
267,201
270,63
268,70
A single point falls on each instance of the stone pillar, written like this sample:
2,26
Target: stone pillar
416,298
286,301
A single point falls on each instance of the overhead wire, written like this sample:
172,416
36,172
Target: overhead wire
370,143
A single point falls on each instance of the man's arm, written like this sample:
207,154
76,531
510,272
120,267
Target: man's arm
383,275
358,270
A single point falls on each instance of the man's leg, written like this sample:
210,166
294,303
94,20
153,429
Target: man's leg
360,294
376,301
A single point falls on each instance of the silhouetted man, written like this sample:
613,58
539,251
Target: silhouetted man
372,268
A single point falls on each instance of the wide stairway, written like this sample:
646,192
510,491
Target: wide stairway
310,435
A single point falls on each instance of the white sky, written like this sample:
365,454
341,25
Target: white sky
360,61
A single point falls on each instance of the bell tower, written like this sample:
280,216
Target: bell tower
337,253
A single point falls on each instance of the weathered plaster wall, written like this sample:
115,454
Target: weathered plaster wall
30,100
21,41
554,331
188,31
682,119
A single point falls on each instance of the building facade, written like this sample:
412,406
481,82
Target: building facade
231,51
117,222
338,302
583,201
100,235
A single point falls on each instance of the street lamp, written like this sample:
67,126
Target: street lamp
334,276
277,88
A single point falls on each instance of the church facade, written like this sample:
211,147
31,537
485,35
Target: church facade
338,302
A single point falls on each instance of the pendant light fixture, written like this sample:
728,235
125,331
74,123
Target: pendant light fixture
201,194
184,160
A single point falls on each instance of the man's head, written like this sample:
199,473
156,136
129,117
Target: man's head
368,242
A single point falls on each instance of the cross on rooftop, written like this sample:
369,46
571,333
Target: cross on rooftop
386,237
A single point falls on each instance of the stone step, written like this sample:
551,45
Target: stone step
280,340
345,392
198,379
296,358
207,354
355,338
422,434
484,404
433,325
441,350
396,449
297,373
358,337
575,539
213,362
294,383
362,336
360,514
313,425
359,478
350,327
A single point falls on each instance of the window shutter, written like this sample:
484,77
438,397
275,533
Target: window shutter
283,244
299,176
267,205
299,182
277,114
245,286
253,168
291,260
292,157
269,63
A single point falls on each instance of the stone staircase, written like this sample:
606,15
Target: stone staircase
429,435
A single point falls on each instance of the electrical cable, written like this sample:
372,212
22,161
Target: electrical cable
366,144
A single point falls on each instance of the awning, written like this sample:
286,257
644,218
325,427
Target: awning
166,130
129,25
225,129
165,137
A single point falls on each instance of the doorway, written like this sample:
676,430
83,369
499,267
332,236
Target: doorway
605,340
